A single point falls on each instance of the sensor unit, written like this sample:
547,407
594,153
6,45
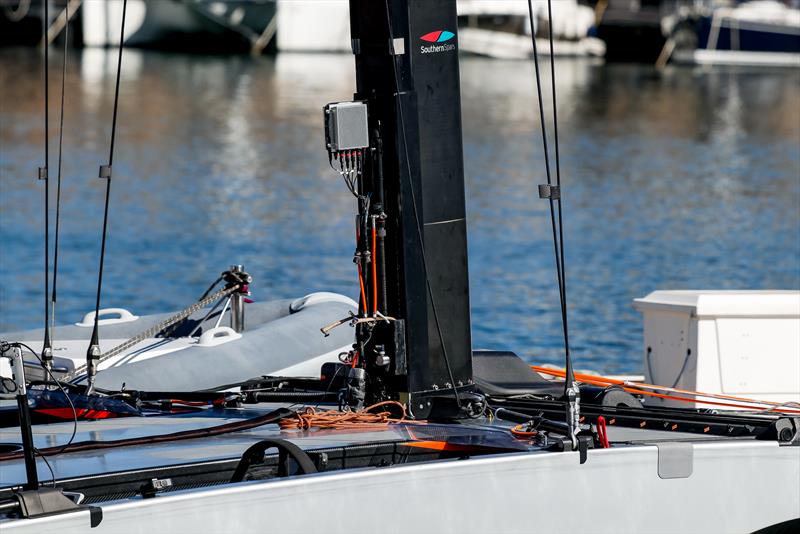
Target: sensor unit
346,126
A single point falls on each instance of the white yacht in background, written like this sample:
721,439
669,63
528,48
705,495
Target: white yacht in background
502,29
499,29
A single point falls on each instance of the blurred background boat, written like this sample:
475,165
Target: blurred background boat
756,32
631,29
503,29
761,32
493,28
201,26
20,22
196,25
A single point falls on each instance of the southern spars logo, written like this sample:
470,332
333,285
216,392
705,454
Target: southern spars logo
439,39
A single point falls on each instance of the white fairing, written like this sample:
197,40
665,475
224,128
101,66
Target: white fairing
733,487
744,343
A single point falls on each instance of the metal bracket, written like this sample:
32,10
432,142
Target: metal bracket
552,192
785,430
583,447
44,501
675,460
42,173
397,46
153,486
105,171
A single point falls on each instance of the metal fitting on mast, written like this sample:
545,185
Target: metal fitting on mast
238,298
573,395
47,355
92,358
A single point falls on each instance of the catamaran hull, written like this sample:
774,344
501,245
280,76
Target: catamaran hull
718,487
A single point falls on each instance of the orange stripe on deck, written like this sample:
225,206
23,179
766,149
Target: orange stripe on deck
440,446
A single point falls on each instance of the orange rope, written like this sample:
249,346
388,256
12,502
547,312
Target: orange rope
366,418
641,389
642,385
519,433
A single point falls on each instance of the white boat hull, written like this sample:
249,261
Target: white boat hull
739,486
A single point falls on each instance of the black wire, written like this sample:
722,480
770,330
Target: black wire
683,368
47,463
330,384
210,288
116,89
416,214
95,333
45,21
570,377
64,392
557,243
53,297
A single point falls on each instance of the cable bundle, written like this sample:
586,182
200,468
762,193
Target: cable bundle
367,418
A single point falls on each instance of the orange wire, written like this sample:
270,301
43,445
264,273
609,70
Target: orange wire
642,385
603,381
361,275
518,433
363,291
374,269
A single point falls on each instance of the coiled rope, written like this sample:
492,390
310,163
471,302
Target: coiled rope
367,418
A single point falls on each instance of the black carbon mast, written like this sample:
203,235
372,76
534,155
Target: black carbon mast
407,72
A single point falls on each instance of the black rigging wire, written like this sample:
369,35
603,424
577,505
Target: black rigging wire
105,172
47,353
53,297
570,377
415,212
210,288
558,228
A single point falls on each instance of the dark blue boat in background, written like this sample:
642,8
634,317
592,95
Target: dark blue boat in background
755,33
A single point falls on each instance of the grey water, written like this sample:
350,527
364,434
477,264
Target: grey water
686,179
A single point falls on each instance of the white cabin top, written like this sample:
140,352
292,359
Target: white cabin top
698,303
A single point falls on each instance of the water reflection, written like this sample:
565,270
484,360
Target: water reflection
690,179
